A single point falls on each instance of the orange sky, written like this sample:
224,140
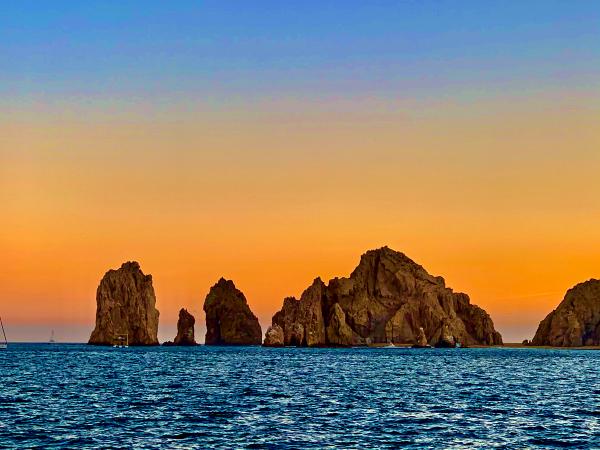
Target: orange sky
500,196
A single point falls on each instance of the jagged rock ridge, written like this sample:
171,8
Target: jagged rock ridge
576,320
387,298
229,320
126,302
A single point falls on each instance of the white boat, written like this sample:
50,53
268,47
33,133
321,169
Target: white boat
3,345
121,341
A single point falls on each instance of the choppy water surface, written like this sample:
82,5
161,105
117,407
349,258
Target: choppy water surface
80,396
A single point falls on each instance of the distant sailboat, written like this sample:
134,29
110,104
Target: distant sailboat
52,341
390,342
121,341
3,345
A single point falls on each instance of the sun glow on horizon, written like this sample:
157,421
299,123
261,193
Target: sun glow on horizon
272,149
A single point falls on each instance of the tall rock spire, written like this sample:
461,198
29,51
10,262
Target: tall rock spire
125,308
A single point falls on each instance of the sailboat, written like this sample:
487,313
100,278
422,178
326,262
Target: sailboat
52,341
3,345
121,341
390,342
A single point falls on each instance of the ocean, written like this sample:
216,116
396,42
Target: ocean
55,396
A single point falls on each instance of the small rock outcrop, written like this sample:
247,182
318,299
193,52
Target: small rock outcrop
387,298
274,336
421,339
576,320
185,329
229,320
125,308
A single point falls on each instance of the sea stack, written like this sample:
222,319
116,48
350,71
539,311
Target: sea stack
229,320
576,320
387,298
185,329
125,308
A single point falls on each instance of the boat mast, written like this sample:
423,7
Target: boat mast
3,332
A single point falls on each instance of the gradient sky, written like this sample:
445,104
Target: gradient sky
275,142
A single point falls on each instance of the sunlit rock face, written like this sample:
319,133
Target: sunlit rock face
421,339
229,320
125,308
388,298
576,320
274,337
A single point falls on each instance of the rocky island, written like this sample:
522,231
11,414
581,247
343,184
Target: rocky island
185,330
229,320
388,298
576,320
125,308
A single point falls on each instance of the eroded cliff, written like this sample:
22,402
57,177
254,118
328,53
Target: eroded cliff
576,320
387,298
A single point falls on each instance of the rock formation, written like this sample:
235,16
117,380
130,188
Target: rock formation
126,308
229,320
576,320
302,321
446,339
274,336
387,298
185,329
421,339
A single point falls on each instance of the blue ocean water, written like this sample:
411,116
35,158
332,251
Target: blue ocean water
252,397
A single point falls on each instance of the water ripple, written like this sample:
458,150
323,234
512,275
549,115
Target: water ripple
87,397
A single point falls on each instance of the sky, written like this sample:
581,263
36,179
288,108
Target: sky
274,142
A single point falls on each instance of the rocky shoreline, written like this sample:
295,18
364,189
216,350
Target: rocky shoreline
388,300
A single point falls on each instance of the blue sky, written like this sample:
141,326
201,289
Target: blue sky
187,48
